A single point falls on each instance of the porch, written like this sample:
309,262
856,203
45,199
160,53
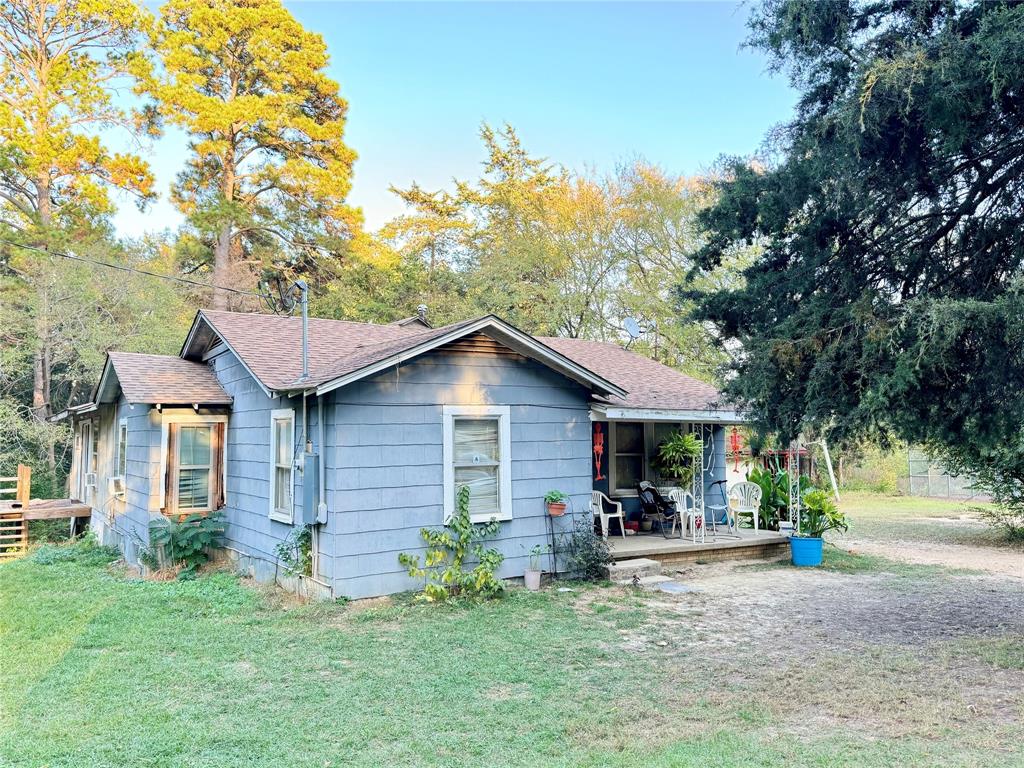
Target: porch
744,544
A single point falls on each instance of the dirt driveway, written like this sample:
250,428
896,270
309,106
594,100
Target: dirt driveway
864,648
1005,562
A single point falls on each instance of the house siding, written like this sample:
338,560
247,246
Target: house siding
251,535
383,455
124,523
385,476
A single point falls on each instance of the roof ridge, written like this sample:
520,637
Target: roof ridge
296,317
122,353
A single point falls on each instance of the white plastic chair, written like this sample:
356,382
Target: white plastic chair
597,506
686,511
745,498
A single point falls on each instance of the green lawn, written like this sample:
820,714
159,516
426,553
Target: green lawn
914,518
105,670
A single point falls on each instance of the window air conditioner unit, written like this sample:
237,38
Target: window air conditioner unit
115,486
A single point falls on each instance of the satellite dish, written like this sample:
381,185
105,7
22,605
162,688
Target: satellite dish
632,327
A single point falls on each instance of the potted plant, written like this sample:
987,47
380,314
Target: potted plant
532,574
556,503
676,458
774,486
819,515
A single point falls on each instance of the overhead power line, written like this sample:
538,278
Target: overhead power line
124,268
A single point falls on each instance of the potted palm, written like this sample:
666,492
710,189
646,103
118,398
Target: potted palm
532,574
556,503
818,516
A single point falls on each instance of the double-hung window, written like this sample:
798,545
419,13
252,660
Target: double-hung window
192,463
282,464
195,467
122,447
635,448
477,454
630,457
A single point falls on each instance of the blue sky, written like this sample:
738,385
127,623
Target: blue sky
587,85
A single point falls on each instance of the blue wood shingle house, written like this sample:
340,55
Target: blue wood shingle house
369,446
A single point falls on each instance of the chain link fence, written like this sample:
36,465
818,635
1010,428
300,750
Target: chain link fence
926,478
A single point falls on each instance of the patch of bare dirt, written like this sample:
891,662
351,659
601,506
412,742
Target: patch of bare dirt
877,654
1003,561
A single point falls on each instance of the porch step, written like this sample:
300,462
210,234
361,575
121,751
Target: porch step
623,571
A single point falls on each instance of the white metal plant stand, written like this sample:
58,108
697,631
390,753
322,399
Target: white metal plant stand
793,470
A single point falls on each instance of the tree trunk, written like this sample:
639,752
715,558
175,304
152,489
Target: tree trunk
41,364
222,272
221,266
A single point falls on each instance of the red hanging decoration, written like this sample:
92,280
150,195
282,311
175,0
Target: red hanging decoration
598,450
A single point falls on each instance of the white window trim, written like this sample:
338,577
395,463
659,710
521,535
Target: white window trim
289,518
503,412
190,418
122,424
649,447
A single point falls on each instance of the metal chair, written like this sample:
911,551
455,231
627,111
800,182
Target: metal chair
657,508
745,498
691,518
597,507
720,514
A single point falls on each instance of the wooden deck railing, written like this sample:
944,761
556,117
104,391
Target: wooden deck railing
13,525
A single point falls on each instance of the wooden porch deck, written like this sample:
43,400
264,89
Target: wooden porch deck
760,545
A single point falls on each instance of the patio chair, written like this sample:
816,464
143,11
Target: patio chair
691,518
720,514
745,499
598,504
657,508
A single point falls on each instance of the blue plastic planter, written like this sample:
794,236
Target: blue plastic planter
806,551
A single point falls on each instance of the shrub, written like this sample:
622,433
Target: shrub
448,550
820,515
774,495
589,553
1009,520
186,543
296,552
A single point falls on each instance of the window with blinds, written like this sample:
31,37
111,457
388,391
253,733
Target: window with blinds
477,455
195,465
477,462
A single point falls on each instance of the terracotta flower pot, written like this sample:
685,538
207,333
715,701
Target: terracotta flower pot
556,508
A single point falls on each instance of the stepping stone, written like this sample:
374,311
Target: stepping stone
652,581
675,587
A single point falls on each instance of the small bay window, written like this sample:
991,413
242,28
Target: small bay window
192,463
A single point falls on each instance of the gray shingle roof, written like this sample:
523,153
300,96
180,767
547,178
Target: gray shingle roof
271,347
649,383
166,379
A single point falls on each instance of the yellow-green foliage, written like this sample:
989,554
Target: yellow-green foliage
447,550
59,65
268,171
